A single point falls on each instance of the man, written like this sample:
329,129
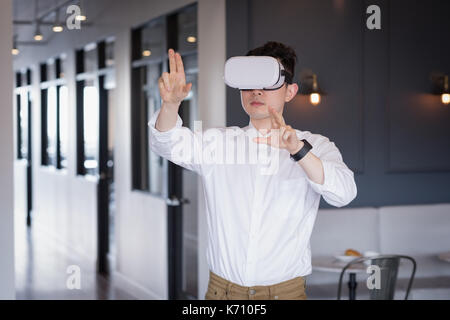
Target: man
259,224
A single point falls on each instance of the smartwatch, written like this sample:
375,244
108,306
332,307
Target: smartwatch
302,152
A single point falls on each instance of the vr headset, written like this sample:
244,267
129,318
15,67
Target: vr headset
255,72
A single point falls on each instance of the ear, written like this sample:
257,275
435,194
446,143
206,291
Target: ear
291,92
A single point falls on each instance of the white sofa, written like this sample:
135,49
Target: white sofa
419,231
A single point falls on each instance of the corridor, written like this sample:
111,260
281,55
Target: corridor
41,270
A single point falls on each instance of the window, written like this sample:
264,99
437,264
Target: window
153,39
187,30
54,110
150,172
63,124
90,126
109,54
51,126
23,107
23,124
90,58
94,75
150,43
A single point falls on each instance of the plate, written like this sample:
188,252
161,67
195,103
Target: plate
344,258
341,256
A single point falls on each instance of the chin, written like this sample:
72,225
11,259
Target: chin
257,115
257,112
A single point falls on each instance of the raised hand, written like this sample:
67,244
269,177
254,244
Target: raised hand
172,86
282,135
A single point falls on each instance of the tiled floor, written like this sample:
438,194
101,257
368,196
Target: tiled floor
41,271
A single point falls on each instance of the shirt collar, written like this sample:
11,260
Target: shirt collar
252,128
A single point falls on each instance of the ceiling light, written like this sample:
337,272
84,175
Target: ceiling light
191,39
57,27
37,34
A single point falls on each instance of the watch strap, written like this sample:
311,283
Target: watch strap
302,152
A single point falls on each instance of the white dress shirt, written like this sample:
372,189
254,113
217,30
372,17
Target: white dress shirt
259,225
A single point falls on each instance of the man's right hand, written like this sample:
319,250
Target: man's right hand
172,86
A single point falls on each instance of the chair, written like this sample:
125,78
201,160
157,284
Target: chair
388,265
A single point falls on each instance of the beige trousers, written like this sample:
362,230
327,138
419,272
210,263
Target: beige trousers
222,289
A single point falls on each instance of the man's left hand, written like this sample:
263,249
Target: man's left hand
282,135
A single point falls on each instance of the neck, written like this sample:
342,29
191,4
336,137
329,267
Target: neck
262,124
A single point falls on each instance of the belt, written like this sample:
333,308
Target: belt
269,290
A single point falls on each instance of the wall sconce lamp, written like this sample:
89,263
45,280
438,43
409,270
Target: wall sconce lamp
445,96
309,86
15,50
314,97
191,39
440,87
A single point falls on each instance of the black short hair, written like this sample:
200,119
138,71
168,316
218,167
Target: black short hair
285,53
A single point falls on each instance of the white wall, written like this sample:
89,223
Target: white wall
7,290
141,220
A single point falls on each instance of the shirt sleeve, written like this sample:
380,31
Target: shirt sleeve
339,187
179,144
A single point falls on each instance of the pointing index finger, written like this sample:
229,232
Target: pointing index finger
172,65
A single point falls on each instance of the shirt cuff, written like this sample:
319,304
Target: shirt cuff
329,178
163,136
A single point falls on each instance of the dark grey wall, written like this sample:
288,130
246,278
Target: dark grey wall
379,110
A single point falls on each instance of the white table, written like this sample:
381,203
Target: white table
331,264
